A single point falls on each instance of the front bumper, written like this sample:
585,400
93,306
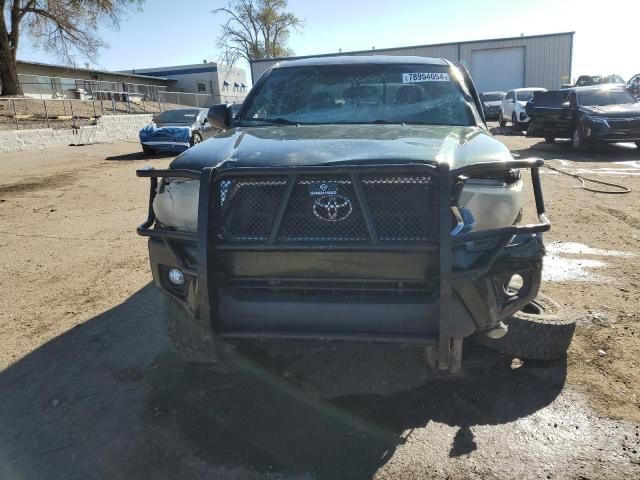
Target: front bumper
615,131
427,293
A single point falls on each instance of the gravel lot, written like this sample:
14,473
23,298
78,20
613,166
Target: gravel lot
88,388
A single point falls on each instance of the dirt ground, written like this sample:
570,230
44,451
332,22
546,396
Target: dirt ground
89,389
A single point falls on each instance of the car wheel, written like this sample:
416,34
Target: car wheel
196,138
147,150
514,123
537,332
501,119
577,139
549,139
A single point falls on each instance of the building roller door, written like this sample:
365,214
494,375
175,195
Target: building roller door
498,68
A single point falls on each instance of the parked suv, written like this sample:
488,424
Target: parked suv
587,115
491,102
352,198
513,107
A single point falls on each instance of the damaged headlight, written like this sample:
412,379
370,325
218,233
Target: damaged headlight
176,204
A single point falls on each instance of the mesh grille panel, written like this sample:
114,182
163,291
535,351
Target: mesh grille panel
248,206
325,208
404,208
323,217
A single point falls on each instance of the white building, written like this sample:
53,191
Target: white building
224,84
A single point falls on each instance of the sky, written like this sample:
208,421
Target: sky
167,32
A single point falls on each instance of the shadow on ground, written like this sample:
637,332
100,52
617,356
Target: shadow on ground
141,156
107,399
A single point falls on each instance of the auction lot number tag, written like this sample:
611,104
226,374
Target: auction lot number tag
425,77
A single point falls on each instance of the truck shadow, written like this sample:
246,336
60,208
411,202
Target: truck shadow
108,399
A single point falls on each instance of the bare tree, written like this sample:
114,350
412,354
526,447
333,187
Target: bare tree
256,29
62,27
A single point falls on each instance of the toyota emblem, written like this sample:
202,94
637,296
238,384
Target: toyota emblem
332,208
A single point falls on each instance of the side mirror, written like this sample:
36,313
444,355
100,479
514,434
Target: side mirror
566,106
219,116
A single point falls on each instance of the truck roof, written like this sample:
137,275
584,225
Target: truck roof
362,60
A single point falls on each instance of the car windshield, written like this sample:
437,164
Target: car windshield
524,96
361,93
492,97
605,97
178,116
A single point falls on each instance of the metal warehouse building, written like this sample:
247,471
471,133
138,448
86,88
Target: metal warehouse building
496,64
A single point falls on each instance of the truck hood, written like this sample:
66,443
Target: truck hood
305,145
614,111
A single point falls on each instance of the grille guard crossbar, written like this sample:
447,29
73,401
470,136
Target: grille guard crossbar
450,182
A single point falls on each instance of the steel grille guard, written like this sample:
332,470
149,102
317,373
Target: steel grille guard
450,183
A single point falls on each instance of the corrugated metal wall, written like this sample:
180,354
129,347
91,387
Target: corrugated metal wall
547,57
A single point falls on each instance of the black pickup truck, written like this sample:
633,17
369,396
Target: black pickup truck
352,198
587,115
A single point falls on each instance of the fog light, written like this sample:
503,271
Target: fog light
176,277
514,284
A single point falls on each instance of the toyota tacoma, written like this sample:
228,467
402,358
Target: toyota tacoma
355,199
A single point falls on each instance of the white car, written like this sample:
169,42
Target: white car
513,107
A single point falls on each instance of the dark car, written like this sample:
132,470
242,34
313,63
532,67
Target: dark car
176,130
590,80
634,86
491,102
587,115
352,198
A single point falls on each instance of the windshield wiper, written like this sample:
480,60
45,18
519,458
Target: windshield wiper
275,121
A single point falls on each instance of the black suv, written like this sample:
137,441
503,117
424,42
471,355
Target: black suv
351,198
587,115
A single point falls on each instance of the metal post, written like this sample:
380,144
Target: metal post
46,113
101,105
197,106
93,101
15,114
113,104
446,261
73,117
128,102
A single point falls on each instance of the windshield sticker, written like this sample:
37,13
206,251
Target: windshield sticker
425,77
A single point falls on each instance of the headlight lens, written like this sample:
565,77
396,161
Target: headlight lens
599,121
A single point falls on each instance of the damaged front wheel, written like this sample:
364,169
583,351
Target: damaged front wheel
537,332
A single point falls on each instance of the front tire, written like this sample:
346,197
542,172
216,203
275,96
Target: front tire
577,139
186,338
501,120
537,332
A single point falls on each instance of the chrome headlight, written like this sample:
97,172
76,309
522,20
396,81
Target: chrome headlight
598,120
